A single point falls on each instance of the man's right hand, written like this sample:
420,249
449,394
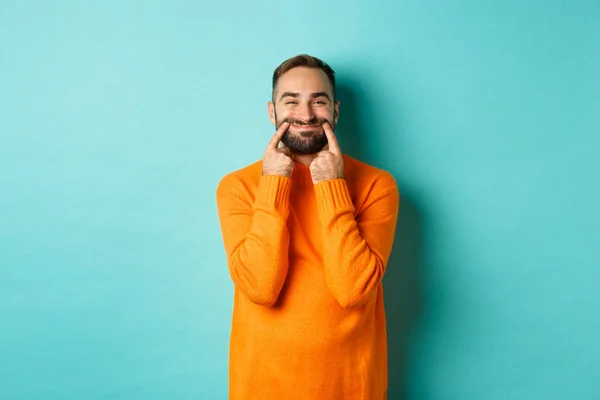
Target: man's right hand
277,160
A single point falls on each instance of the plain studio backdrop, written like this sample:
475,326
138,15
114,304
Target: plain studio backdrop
119,118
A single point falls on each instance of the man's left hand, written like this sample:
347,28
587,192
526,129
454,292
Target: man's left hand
328,164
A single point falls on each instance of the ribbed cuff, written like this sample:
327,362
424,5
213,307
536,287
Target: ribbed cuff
274,193
333,196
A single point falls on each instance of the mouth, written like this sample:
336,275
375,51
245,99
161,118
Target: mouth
307,126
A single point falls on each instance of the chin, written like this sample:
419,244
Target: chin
307,151
300,144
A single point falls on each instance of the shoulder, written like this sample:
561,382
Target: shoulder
246,177
371,188
363,175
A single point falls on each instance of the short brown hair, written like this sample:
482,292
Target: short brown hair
304,60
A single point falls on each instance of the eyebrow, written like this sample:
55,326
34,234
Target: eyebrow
312,95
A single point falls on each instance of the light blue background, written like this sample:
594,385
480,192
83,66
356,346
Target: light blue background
118,119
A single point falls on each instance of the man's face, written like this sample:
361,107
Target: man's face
304,98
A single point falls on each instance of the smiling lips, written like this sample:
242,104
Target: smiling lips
307,126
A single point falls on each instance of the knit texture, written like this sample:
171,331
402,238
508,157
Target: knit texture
307,262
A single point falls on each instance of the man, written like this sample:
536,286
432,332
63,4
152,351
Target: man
308,232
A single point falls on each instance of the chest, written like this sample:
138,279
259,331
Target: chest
303,223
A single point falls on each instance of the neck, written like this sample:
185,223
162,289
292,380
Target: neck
304,159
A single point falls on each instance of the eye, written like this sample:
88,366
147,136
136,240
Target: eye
290,102
320,102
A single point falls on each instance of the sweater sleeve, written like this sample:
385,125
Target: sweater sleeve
356,250
255,235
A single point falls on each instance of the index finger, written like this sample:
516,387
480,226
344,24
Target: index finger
334,146
278,135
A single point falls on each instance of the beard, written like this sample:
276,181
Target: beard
309,140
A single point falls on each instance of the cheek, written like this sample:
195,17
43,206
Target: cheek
325,113
281,114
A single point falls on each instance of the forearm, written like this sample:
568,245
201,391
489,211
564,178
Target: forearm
353,268
258,260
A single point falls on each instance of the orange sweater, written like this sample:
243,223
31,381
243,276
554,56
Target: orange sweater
307,263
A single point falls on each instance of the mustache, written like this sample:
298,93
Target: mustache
313,121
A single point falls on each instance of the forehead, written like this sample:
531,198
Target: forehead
304,80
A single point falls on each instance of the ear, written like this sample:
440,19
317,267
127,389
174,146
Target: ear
271,108
336,112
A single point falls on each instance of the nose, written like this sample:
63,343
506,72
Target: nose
305,112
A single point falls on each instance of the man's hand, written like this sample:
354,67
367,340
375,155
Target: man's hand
276,160
328,164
